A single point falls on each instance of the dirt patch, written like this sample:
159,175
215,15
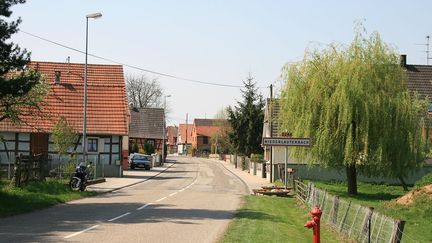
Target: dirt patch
413,194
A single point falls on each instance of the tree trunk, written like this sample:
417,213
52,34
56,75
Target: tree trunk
351,174
404,185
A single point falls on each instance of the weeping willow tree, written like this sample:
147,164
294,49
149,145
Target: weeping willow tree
354,104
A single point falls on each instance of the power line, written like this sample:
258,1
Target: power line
132,66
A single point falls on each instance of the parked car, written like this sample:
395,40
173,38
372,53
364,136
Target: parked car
140,161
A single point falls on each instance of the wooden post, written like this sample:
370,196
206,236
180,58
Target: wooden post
367,221
344,217
397,236
334,212
16,180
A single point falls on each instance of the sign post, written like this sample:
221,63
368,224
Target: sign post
286,142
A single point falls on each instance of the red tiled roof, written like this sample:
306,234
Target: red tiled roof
208,127
107,110
147,123
182,133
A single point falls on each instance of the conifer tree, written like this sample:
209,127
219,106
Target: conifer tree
246,120
21,89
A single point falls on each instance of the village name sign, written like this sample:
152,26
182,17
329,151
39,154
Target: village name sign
303,142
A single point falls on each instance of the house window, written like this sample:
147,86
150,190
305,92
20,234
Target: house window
205,140
152,142
92,145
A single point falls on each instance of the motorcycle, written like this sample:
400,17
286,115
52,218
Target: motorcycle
78,181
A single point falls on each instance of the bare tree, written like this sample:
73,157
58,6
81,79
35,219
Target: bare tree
144,92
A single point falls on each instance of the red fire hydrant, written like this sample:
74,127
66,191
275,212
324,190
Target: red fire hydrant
315,224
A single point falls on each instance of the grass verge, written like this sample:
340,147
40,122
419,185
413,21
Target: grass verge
418,216
272,219
35,196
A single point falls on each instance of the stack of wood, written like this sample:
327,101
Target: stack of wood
272,191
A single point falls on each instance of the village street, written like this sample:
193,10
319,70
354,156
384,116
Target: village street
192,201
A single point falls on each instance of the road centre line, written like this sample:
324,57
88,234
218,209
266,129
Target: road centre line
144,206
121,216
80,232
160,199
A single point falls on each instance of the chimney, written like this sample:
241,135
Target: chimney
403,61
57,76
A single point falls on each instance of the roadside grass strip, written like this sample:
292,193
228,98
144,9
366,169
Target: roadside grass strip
273,219
36,195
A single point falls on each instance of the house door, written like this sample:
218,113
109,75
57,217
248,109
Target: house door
39,144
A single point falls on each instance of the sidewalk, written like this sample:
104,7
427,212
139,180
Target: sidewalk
132,177
253,182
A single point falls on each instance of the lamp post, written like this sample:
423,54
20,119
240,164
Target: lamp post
164,132
84,142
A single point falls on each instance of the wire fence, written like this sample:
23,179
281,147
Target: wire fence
355,221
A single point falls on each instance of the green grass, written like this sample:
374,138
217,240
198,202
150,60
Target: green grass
35,196
425,180
418,216
273,219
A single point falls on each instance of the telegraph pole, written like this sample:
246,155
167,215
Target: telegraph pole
185,146
271,131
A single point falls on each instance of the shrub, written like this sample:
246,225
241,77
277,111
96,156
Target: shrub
425,180
192,151
148,148
257,158
68,169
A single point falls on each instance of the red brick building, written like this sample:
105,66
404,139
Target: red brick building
202,132
172,133
184,138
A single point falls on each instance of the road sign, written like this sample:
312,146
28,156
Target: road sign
299,142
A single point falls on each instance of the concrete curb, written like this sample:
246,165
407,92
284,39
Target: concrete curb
96,181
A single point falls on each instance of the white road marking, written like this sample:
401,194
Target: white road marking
121,216
172,194
160,199
144,206
80,232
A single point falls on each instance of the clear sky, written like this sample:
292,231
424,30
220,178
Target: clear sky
217,41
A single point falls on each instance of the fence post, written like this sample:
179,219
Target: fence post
344,217
16,180
367,223
397,236
334,212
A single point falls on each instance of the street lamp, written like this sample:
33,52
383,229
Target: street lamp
84,142
164,133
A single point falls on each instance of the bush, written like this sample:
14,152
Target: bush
148,148
68,169
192,151
259,158
134,147
425,180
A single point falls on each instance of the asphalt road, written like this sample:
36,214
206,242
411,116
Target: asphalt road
193,201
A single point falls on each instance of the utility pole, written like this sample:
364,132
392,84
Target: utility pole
185,148
271,131
427,50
